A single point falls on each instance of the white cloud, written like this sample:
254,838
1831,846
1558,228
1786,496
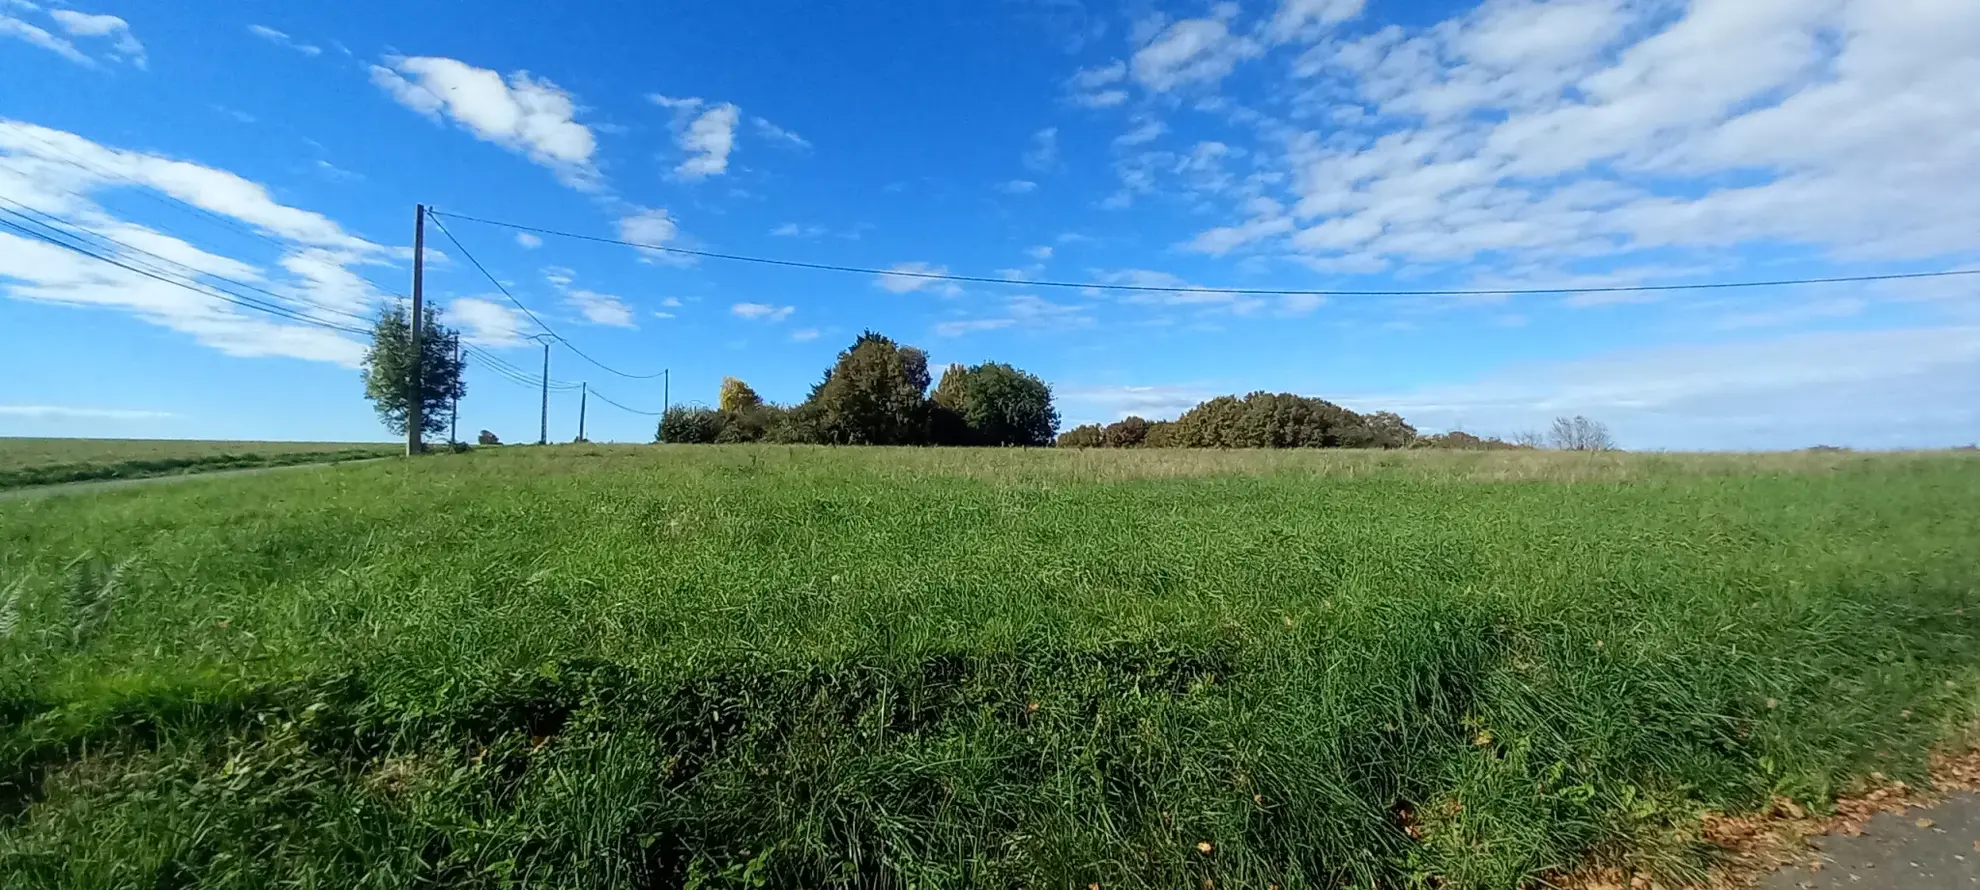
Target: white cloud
124,47
652,226
1574,131
314,275
280,39
1193,51
910,277
1026,311
778,134
804,335
708,141
523,113
484,322
20,30
1040,252
1307,19
1043,155
528,241
600,309
1145,132
1084,404
793,230
671,302
1017,187
72,412
1098,87
1906,388
762,312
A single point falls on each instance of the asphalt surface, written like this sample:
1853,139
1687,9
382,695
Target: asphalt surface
1898,853
95,485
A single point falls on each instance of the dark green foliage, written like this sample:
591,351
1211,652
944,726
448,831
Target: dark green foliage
995,404
1460,440
487,438
753,422
388,365
1269,420
1128,432
1088,435
1161,434
691,425
875,394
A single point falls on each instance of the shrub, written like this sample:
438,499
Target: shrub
1161,434
1459,440
487,438
1268,420
691,425
1088,435
753,423
1128,432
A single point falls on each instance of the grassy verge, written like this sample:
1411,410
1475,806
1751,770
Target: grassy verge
817,667
134,468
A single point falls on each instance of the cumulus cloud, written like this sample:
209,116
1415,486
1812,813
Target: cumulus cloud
124,46
1566,132
600,309
528,241
708,141
762,312
1043,155
281,39
484,322
1099,87
651,226
525,114
910,277
1194,51
315,274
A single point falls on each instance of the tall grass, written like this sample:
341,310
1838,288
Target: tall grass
27,462
811,667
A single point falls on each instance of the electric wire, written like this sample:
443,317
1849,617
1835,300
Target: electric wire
532,316
1198,289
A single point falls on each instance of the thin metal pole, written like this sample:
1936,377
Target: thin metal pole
584,395
543,431
415,401
454,418
666,387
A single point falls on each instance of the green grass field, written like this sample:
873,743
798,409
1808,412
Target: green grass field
775,667
25,462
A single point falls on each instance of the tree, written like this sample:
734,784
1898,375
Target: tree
1161,434
1382,429
388,367
875,394
1088,435
1128,432
690,425
1578,433
736,396
1269,420
997,405
487,438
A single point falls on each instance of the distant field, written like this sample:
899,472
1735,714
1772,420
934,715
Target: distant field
758,666
49,461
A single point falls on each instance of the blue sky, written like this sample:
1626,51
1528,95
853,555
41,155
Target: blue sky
1296,144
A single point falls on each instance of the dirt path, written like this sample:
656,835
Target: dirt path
1935,848
105,484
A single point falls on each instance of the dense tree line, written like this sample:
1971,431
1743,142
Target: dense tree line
877,393
1258,420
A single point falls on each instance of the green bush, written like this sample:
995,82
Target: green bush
1269,420
992,404
691,425
1087,435
1128,432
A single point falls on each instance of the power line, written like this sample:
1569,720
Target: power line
519,305
216,293
1240,291
601,397
146,190
51,222
510,371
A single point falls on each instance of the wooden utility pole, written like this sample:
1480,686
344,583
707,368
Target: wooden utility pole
666,384
415,401
543,431
584,395
454,416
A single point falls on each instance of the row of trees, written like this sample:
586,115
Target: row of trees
877,393
1258,420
